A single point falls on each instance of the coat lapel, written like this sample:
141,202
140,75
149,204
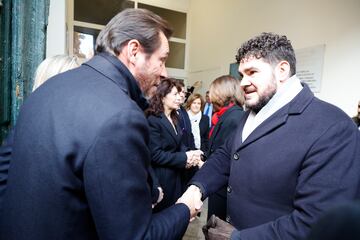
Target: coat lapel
166,123
274,121
218,125
296,106
114,70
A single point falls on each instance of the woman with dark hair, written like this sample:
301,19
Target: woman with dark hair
169,157
227,99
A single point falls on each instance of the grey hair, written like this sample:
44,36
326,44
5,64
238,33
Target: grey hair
140,24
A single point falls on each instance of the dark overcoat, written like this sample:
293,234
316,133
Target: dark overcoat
79,168
187,137
204,133
225,127
168,158
297,164
204,138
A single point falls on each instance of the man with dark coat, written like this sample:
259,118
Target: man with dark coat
80,163
292,157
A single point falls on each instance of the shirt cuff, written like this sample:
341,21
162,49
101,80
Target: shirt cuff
235,235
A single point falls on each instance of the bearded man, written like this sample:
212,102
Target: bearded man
292,157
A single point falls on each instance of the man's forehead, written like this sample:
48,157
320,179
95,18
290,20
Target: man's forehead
249,62
164,44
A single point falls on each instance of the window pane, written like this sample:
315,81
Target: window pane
98,11
177,20
84,41
176,57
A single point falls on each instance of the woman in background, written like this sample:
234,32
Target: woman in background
52,66
169,157
47,69
199,129
199,121
227,99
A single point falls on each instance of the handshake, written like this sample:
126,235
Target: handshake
192,199
215,229
194,158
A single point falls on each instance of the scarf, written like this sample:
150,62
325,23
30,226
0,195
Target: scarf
195,128
216,117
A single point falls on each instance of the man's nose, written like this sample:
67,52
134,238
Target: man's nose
163,73
244,81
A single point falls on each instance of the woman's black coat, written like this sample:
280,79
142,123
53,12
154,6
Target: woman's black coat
227,124
168,158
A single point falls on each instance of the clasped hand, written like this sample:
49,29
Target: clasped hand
194,158
192,199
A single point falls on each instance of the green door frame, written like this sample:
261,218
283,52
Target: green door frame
5,80
23,45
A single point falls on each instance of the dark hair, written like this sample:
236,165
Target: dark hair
156,106
140,24
180,82
271,47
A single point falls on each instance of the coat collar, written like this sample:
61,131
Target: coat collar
166,123
221,120
294,107
112,68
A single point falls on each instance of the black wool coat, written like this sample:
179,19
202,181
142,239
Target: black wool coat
225,127
168,158
300,162
79,168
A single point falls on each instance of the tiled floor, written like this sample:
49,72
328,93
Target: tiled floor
194,231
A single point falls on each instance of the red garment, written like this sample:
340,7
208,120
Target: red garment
216,117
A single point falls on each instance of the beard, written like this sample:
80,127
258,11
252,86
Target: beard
146,83
264,98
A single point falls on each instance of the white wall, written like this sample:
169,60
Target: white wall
56,30
179,5
217,29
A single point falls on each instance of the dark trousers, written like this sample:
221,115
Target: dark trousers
217,204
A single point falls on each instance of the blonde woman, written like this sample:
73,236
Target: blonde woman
52,66
47,68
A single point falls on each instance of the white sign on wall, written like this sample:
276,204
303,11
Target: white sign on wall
309,66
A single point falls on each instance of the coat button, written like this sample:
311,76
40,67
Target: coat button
228,219
229,189
236,156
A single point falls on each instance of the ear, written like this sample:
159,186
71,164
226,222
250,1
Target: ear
133,48
282,71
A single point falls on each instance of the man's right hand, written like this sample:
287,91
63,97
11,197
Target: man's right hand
192,199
